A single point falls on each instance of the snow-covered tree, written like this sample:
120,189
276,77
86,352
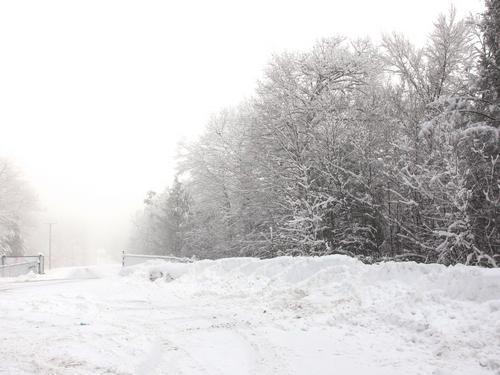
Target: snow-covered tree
424,183
17,202
162,226
381,153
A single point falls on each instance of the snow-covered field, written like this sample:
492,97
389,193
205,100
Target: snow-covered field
330,315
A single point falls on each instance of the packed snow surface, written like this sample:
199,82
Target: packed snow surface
329,315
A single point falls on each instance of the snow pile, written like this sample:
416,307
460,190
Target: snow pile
21,278
156,269
325,273
453,310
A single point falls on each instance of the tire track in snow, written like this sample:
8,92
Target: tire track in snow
267,357
15,285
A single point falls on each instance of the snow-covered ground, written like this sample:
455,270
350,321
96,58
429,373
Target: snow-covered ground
330,315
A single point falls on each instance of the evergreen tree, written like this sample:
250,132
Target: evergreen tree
175,219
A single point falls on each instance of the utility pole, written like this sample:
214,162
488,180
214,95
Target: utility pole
50,245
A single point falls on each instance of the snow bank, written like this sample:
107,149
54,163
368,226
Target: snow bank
454,310
456,282
21,278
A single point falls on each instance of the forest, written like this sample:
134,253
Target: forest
381,151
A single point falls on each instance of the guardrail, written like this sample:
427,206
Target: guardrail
12,266
132,259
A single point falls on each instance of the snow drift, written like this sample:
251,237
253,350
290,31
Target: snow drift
453,310
326,273
246,316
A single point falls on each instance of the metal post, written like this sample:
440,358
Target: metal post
3,263
50,245
41,270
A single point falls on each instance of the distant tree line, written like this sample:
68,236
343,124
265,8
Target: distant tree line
379,152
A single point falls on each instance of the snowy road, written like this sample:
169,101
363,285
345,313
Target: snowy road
243,316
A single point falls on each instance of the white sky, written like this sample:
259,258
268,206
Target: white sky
95,95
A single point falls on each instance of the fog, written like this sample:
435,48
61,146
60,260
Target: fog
95,96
